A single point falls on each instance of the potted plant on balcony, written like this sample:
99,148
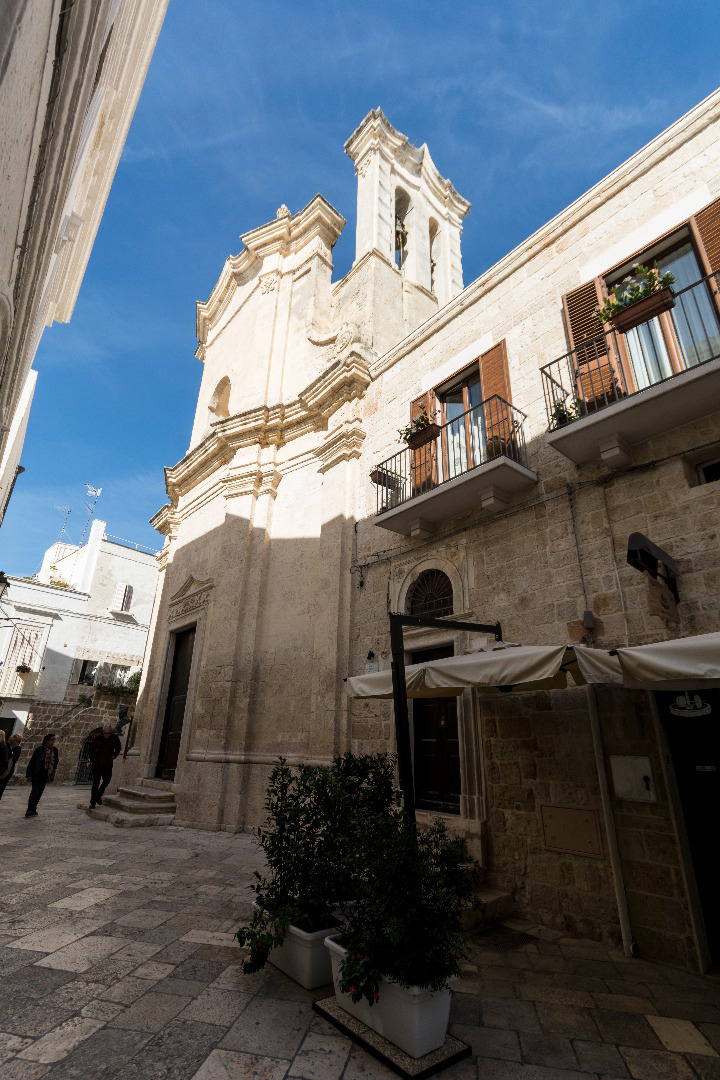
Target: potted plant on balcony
400,942
23,669
421,430
313,814
564,412
638,298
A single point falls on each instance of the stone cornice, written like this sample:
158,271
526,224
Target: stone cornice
689,126
376,132
252,480
286,235
345,379
341,444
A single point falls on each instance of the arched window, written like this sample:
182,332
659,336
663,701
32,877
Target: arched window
433,227
402,236
431,595
219,405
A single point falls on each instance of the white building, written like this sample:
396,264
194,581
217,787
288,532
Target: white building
82,620
70,78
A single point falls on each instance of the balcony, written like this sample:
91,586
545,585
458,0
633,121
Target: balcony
616,389
476,461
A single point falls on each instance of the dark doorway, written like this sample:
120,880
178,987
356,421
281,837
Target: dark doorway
7,723
692,724
83,772
436,746
175,707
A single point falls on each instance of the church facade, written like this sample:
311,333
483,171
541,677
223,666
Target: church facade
536,442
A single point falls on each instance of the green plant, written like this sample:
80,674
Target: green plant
316,818
643,282
59,583
420,423
84,699
563,412
406,922
133,681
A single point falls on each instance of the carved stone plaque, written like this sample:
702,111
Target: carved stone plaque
572,829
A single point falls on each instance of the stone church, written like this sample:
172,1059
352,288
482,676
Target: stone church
299,518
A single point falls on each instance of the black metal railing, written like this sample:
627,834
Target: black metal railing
492,429
612,366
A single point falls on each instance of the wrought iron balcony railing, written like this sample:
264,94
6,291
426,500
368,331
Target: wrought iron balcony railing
490,430
612,366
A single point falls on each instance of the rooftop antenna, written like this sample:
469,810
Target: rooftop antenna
67,512
94,494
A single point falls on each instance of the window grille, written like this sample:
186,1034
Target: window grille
431,595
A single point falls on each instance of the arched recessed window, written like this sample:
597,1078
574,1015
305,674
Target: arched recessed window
219,406
433,227
402,235
431,595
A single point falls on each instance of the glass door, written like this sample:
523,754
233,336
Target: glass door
464,430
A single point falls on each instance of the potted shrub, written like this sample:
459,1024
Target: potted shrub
22,669
563,413
421,430
637,299
400,942
314,815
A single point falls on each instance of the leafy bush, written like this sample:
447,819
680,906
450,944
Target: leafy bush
644,281
420,423
406,921
313,842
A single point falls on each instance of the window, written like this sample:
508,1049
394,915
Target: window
709,471
431,595
116,674
88,671
122,597
402,237
464,443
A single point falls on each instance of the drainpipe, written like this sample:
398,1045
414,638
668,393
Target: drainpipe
629,946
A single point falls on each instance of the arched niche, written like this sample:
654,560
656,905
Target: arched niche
434,247
219,406
435,562
403,208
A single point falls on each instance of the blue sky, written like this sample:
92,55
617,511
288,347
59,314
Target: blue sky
524,104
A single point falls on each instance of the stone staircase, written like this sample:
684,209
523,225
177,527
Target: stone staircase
151,804
493,906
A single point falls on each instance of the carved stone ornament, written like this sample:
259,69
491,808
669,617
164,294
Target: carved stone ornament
283,212
268,283
193,596
363,166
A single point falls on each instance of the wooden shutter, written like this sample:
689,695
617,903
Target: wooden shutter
580,308
708,226
423,461
495,383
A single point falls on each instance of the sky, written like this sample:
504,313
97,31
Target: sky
524,104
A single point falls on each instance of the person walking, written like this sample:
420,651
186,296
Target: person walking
41,769
104,748
14,744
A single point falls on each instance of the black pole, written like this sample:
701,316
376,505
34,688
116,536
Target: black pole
400,700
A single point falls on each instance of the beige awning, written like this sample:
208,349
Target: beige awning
521,667
673,665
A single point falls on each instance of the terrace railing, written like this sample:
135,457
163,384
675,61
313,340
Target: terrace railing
492,429
612,366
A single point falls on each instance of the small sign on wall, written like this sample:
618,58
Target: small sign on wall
571,829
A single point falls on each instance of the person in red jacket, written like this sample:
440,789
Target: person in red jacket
104,748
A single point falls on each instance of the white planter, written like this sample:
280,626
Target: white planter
413,1018
304,957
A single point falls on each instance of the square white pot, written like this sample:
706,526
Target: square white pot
304,957
413,1018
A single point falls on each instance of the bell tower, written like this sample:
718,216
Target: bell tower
406,211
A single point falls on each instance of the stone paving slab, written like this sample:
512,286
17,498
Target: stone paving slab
118,962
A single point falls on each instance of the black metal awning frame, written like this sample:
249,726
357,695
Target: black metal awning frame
400,700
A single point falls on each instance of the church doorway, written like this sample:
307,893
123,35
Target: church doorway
175,707
692,726
436,746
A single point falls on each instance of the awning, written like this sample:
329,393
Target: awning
517,667
678,664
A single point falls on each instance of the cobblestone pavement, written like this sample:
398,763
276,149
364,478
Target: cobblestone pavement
117,961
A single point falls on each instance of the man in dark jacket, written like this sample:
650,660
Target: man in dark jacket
14,743
40,769
104,748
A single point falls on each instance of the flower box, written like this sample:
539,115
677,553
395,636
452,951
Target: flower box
304,957
413,1018
385,478
422,436
644,310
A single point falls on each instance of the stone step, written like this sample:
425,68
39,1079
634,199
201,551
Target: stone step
493,906
160,785
130,805
150,795
127,821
